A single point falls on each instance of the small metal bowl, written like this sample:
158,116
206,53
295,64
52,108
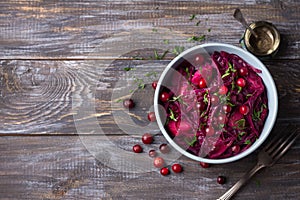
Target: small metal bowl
267,43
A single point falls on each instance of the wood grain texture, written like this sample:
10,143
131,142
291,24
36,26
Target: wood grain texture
43,29
61,168
41,96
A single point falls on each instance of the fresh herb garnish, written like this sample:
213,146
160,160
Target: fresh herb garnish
239,89
198,22
256,114
149,74
177,50
240,135
196,38
208,30
128,69
166,41
205,99
172,115
192,142
119,100
247,142
140,83
154,30
241,124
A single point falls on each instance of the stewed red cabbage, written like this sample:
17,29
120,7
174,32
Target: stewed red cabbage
216,107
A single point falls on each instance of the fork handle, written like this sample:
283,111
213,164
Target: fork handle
241,182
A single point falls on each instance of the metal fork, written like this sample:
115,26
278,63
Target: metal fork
266,157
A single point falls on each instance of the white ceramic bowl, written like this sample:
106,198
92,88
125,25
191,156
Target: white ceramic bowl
249,58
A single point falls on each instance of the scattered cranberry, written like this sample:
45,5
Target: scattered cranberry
227,108
244,110
241,82
202,83
158,162
177,168
164,97
164,148
152,153
147,138
137,148
128,103
204,164
154,84
209,131
221,179
222,118
151,117
164,171
243,71
214,99
223,90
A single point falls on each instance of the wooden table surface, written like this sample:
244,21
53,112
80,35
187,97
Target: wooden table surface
62,71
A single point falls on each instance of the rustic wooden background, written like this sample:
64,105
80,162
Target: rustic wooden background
49,50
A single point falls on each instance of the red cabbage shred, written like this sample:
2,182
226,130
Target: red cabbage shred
197,121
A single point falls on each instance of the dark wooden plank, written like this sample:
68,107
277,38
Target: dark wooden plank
45,29
58,167
41,97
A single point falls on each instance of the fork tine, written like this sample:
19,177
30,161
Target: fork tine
273,144
296,133
283,143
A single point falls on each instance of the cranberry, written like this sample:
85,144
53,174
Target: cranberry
199,59
128,103
154,84
158,162
209,131
222,118
204,164
241,82
147,138
164,171
137,148
214,99
164,148
243,71
235,148
223,90
152,153
227,108
164,97
177,168
244,110
202,83
221,179
151,117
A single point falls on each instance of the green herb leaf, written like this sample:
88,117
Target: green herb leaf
247,142
149,74
154,30
128,68
196,38
192,142
160,57
256,114
205,99
119,100
208,30
192,17
172,115
198,22
239,89
226,74
166,41
241,123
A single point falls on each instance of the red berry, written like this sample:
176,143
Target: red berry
152,153
164,97
154,84
214,99
147,138
221,179
244,110
199,59
222,118
177,168
223,90
243,71
241,82
236,148
164,148
202,83
201,105
151,117
209,131
164,171
227,108
128,103
137,148
204,165
158,162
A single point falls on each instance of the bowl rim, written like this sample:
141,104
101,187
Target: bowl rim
266,129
